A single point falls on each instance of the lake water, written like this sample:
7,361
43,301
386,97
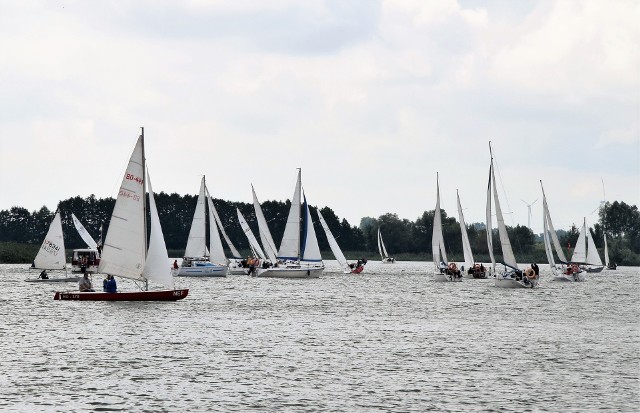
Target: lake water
388,340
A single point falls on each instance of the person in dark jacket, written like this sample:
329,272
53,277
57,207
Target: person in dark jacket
111,286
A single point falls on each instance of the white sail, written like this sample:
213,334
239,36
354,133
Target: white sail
123,253
489,226
290,245
593,257
466,245
335,248
552,232
580,249
156,267
84,234
234,251
437,239
52,255
545,234
263,229
606,252
507,252
381,247
253,242
197,241
216,250
310,249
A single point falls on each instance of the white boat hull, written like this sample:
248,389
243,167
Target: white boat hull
512,283
53,280
439,277
205,271
290,272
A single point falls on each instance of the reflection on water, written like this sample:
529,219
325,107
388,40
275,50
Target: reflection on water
387,340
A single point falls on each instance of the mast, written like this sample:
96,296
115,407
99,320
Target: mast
144,202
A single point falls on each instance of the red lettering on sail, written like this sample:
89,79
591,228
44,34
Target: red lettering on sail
131,177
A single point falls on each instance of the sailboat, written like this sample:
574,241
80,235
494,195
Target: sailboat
199,261
443,270
337,252
610,265
510,276
84,259
565,272
299,256
125,252
52,254
474,270
585,253
383,250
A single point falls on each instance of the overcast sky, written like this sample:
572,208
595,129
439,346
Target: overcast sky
370,98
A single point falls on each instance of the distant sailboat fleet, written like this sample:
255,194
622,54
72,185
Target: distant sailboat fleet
125,252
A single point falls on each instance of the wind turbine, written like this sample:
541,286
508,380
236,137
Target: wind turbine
529,208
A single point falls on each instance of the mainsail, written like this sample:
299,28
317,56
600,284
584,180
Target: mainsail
196,243
290,245
437,239
466,245
52,255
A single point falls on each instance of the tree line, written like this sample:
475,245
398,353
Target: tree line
403,237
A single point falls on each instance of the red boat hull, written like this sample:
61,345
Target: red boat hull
162,295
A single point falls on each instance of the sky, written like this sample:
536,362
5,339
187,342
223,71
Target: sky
370,98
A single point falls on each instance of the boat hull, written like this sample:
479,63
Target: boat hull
205,271
512,283
160,295
290,272
594,269
440,277
53,280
